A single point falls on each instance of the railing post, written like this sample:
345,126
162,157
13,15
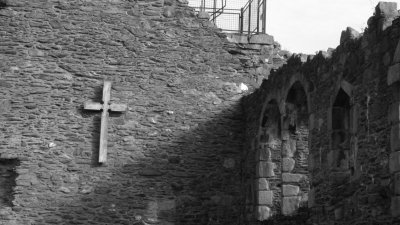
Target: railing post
215,11
258,16
241,16
264,30
249,19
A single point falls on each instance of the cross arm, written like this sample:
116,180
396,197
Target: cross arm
118,107
92,106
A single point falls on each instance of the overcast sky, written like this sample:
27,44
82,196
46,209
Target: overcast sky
311,25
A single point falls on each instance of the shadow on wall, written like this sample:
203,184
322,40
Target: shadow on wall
194,178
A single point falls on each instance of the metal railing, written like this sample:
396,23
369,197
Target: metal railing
253,17
250,19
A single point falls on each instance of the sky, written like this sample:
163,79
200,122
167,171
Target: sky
308,26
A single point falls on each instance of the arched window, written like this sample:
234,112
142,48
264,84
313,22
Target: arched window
340,131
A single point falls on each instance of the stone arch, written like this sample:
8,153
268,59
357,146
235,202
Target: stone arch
297,79
342,126
295,150
267,158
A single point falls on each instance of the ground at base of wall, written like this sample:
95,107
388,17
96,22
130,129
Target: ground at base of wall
302,218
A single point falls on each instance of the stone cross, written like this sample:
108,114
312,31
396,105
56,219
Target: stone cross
105,106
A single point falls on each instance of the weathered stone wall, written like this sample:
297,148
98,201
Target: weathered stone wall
173,157
348,172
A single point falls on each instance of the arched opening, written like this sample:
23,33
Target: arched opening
340,132
268,163
295,151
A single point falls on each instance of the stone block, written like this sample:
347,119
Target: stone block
262,184
396,57
311,198
288,164
290,190
292,178
395,137
393,74
265,169
311,121
394,162
386,9
396,183
288,148
263,213
394,113
265,197
265,154
285,135
384,23
169,11
395,206
349,34
237,38
290,205
203,15
263,39
339,213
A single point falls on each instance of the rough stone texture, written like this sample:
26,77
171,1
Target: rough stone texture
357,80
173,157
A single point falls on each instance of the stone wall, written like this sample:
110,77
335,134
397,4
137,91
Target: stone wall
174,156
337,145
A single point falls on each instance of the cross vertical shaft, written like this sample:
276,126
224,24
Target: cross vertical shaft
104,122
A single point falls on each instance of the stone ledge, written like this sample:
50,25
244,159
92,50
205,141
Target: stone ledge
237,38
263,39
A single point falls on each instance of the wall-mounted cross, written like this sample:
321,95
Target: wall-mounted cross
105,106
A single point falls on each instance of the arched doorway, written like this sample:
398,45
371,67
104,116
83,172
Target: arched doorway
295,151
268,159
